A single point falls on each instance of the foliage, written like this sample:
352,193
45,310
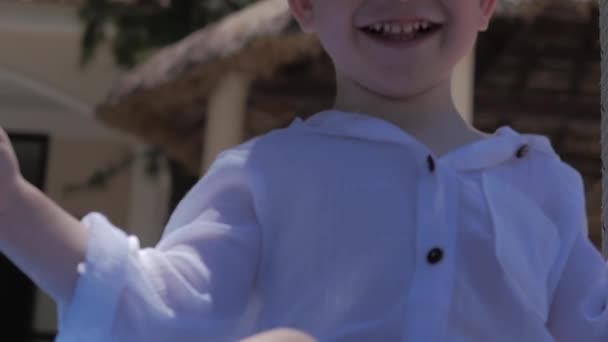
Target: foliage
136,28
99,179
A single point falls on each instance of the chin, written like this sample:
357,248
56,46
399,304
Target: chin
397,91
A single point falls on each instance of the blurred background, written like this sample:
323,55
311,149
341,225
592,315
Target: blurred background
120,106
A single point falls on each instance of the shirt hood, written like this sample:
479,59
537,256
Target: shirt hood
500,147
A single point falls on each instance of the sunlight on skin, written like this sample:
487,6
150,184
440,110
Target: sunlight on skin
280,335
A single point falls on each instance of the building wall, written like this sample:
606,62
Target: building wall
71,160
43,43
44,90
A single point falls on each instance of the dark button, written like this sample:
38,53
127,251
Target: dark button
435,255
431,163
522,151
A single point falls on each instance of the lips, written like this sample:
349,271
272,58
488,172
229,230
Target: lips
399,28
394,18
395,31
393,28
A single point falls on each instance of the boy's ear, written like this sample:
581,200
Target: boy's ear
487,8
302,11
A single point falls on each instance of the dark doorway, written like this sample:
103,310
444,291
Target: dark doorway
16,290
181,182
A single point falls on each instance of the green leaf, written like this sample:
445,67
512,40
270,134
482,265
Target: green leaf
144,26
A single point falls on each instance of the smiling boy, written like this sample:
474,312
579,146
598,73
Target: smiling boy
388,66
384,218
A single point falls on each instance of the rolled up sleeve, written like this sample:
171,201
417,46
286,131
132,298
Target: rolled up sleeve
193,286
579,310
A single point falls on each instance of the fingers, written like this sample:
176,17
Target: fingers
8,159
3,136
5,142
6,147
280,335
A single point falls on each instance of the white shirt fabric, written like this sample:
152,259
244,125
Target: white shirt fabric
341,226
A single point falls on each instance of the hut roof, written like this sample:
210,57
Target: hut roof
164,100
505,7
59,2
46,2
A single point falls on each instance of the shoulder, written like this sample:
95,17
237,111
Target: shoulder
538,168
286,138
282,149
254,161
555,176
565,195
555,185
542,176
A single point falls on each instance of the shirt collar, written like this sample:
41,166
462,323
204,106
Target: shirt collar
498,148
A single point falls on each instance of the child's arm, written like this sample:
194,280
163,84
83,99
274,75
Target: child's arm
192,286
579,310
42,240
580,307
37,235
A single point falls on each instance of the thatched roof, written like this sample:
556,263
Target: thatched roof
164,100
59,2
505,7
531,8
46,2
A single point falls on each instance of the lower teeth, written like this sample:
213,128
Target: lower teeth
399,37
402,36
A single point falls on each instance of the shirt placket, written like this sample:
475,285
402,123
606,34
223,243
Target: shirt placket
428,298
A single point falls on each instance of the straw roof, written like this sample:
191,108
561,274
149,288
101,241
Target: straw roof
59,2
533,7
46,2
164,100
505,7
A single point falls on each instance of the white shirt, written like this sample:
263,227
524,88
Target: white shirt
348,228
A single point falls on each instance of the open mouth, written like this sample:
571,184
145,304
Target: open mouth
395,31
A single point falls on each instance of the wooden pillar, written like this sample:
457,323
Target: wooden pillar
463,86
226,111
148,202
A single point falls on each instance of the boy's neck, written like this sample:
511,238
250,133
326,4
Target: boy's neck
430,116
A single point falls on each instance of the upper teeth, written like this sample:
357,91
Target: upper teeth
398,28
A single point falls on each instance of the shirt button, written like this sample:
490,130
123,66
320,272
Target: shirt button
522,151
435,255
431,163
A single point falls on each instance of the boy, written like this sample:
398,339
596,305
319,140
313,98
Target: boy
385,218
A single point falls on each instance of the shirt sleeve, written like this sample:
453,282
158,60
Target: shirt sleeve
193,286
579,310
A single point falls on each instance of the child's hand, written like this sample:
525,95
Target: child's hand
10,175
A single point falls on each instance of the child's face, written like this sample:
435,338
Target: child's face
420,62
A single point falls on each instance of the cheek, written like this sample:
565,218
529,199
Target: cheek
337,44
461,37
